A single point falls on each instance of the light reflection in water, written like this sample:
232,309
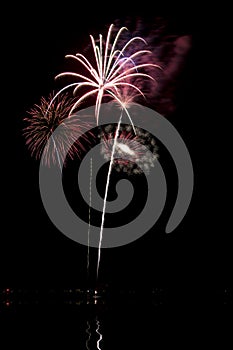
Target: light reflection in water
89,335
94,335
100,335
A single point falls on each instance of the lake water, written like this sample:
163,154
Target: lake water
77,319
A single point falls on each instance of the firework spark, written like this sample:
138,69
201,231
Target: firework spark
42,121
112,71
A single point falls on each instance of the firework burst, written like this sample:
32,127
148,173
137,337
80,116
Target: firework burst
131,155
42,121
111,71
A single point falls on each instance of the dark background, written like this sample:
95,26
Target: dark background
197,255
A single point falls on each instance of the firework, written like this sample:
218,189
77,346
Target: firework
41,140
113,76
131,151
112,71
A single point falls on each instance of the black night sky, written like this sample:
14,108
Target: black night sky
197,255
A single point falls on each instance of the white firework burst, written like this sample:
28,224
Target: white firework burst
134,154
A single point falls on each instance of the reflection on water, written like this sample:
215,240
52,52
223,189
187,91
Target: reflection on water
13,297
103,320
91,319
94,336
98,332
88,331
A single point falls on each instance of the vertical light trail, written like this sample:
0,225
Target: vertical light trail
89,221
106,190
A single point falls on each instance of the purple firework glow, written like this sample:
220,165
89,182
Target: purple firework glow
169,47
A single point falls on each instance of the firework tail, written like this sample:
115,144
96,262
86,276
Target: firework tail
106,191
89,222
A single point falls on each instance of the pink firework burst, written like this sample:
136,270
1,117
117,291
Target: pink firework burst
68,141
112,70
